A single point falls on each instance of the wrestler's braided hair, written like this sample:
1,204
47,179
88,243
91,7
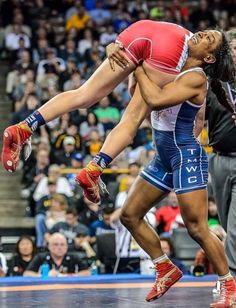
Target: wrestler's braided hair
222,70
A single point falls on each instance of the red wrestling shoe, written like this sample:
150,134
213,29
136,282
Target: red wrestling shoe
167,275
14,137
227,298
89,179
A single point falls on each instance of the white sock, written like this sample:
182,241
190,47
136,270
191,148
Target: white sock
160,259
225,276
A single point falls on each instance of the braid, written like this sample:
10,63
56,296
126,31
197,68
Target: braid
220,93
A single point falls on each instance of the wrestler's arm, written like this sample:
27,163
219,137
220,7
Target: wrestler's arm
184,88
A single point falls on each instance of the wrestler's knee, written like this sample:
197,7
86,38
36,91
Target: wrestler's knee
128,219
197,230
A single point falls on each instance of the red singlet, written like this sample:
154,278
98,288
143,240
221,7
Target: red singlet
163,45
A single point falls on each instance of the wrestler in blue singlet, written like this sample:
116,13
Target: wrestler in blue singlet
180,162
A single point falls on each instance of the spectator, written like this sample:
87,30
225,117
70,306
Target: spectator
168,216
57,211
63,186
25,251
133,172
107,115
78,21
93,144
61,263
31,104
202,13
90,124
108,36
99,15
86,42
76,233
101,225
63,157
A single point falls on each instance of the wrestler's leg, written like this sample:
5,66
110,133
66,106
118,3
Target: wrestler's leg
194,206
142,196
123,134
117,140
99,85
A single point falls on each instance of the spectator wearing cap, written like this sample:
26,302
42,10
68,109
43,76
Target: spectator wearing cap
63,157
68,129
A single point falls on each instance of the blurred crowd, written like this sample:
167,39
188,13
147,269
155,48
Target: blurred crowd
54,46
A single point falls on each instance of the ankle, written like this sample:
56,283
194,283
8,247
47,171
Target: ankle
102,160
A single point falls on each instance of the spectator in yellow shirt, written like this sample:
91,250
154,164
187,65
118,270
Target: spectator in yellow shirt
78,21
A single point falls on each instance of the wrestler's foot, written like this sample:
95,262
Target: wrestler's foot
167,275
227,298
14,137
89,179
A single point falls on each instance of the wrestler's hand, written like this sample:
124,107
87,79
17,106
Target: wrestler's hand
115,55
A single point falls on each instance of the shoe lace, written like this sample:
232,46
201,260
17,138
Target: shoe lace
225,294
161,277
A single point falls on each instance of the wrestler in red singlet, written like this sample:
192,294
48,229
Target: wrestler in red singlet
163,45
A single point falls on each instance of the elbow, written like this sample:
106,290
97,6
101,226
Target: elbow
153,104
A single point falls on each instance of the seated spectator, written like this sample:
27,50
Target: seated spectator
86,42
61,263
25,251
90,124
101,225
168,216
134,169
57,211
67,129
108,36
74,82
12,41
63,186
107,115
63,157
79,20
167,248
93,144
31,104
75,232
100,15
